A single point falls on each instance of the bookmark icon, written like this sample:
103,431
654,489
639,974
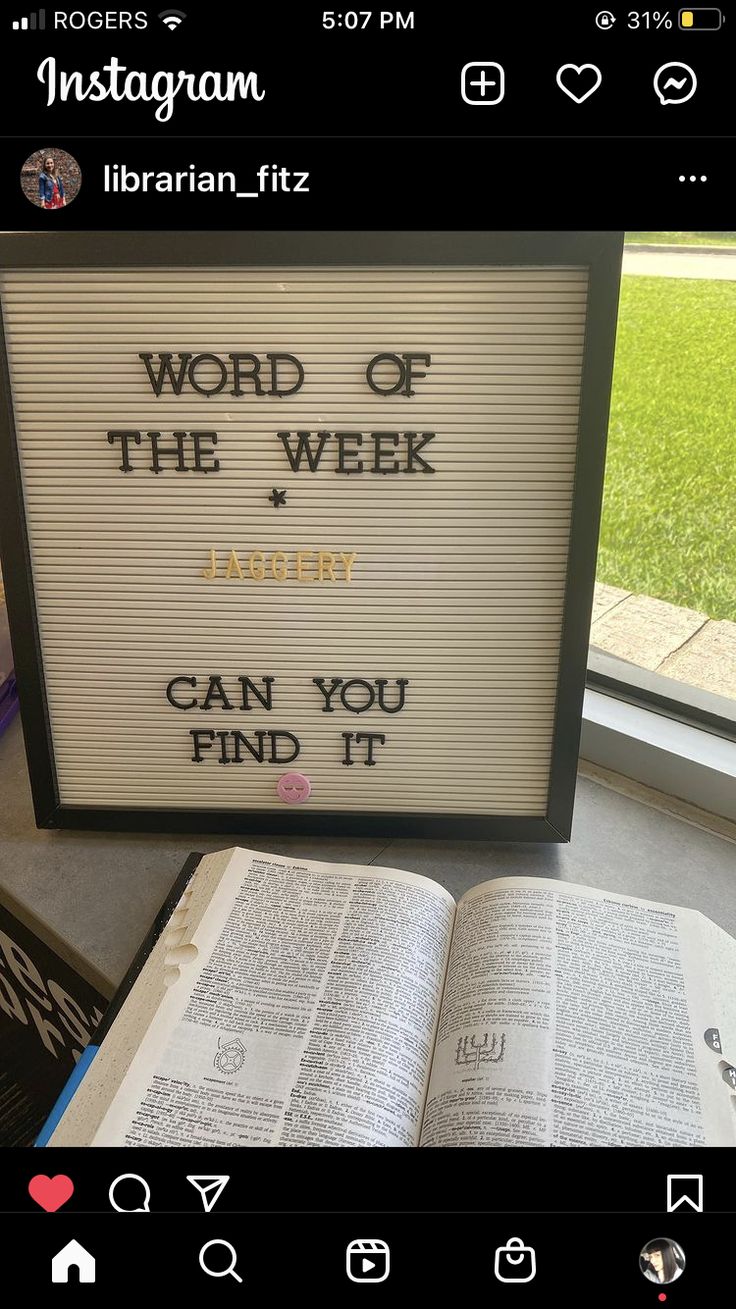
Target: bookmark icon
210,1187
685,1189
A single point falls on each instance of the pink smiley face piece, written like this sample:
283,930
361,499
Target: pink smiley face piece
294,788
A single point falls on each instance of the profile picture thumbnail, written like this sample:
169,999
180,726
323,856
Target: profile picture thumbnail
662,1260
50,178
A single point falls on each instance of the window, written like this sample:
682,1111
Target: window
664,618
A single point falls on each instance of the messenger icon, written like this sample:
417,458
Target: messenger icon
675,83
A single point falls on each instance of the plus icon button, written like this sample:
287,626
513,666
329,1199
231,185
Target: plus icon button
482,84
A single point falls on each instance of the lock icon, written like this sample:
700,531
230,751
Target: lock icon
605,20
515,1262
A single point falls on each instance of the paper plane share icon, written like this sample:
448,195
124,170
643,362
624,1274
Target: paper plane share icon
210,1187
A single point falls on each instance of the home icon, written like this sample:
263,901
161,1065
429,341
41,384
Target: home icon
73,1255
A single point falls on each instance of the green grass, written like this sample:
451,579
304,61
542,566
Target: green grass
669,513
681,238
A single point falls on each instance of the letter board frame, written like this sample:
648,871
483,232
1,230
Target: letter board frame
599,253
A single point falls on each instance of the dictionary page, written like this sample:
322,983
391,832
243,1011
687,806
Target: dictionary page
575,1017
307,1017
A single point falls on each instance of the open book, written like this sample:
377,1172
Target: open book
299,1003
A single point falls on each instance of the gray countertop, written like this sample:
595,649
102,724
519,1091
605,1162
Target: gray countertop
99,892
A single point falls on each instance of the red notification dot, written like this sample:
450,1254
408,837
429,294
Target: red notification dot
661,1296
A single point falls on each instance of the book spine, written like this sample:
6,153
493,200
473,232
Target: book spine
159,925
66,1095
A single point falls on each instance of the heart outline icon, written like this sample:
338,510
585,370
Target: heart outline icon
579,68
50,1193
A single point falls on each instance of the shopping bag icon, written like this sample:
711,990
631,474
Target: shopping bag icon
515,1262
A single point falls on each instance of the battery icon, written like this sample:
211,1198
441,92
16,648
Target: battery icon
700,20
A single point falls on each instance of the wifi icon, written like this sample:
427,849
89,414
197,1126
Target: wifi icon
172,18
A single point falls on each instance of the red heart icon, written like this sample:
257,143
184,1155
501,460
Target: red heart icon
50,1192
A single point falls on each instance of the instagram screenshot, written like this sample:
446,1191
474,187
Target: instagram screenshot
368,652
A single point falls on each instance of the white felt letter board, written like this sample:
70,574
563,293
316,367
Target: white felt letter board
300,529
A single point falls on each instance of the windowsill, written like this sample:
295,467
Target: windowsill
655,636
697,765
659,708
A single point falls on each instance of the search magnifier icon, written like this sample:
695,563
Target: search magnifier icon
229,1270
144,1195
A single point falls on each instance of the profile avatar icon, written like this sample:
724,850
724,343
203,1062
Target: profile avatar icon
51,178
662,1261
